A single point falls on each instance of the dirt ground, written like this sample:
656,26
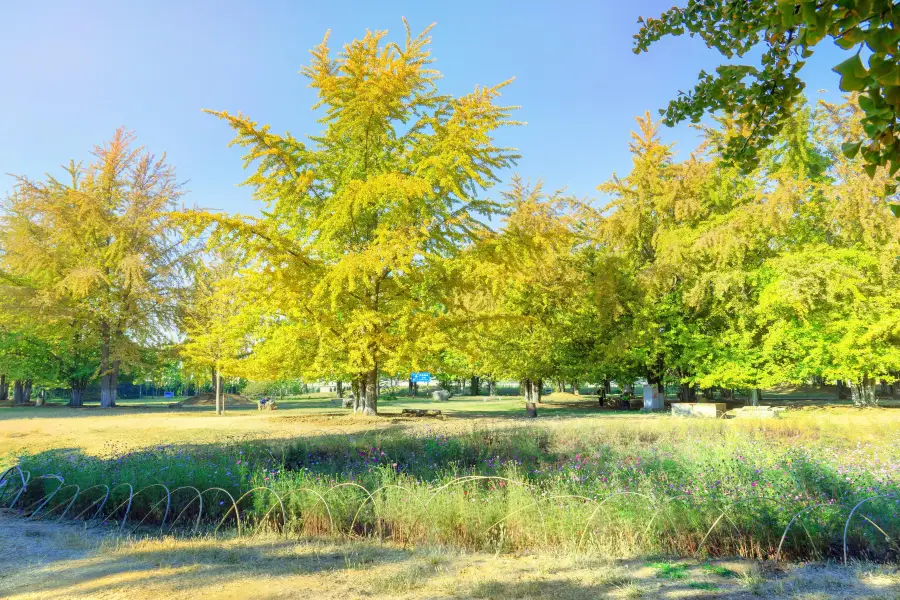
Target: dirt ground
48,561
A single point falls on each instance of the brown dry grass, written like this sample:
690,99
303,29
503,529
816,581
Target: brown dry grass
47,562
102,432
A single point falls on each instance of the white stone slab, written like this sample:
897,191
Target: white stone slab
653,400
709,410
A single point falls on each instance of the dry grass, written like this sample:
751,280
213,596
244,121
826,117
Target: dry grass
46,561
102,432
40,560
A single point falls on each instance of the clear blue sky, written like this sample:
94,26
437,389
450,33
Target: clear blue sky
71,72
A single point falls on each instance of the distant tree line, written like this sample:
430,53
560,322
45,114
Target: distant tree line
381,252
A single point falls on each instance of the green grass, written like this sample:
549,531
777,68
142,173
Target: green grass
703,585
149,401
669,570
616,487
719,570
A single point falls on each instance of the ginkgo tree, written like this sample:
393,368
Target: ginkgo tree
214,318
360,217
528,310
98,250
43,344
764,97
656,198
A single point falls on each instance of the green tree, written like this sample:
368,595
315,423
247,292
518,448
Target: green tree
361,219
215,320
101,247
642,236
764,97
526,322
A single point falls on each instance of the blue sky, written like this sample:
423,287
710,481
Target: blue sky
71,72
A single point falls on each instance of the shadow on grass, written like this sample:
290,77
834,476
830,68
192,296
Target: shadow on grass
558,590
459,407
190,565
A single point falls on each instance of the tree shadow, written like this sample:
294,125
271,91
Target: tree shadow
186,563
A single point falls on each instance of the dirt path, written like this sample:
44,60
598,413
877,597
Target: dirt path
46,561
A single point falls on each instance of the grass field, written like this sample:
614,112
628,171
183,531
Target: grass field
481,503
148,422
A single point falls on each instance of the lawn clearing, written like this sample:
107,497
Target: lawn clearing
576,482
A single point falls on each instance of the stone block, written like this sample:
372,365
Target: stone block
653,400
682,409
709,410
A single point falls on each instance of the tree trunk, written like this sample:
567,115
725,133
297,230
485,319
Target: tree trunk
4,388
219,408
339,386
114,381
27,391
412,388
755,397
603,391
863,392
687,392
475,386
655,376
18,392
370,406
107,391
107,385
356,391
41,397
532,397
492,387
842,390
895,389
77,399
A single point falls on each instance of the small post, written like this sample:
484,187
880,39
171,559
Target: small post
219,408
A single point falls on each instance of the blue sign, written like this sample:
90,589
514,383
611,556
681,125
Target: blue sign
168,395
423,377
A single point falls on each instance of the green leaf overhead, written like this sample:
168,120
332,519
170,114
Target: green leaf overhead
787,32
